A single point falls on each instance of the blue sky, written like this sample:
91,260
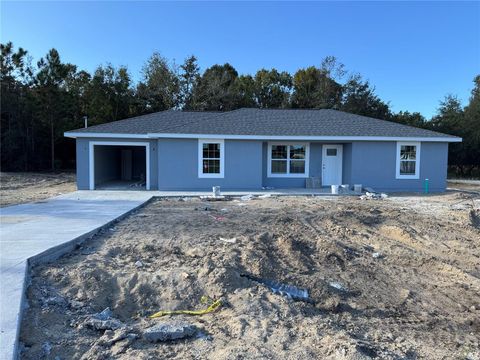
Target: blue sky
413,52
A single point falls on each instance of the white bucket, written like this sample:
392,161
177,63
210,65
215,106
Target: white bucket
335,189
357,188
216,191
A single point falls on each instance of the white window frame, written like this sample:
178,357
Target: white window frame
287,174
417,159
91,158
200,158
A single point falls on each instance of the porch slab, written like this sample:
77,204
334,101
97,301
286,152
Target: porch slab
276,192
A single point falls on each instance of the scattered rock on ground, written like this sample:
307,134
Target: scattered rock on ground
103,321
111,337
169,331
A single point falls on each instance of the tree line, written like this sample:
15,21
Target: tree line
40,101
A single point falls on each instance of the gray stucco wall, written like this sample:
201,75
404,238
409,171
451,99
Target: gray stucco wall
83,171
178,165
374,165
82,164
368,163
347,164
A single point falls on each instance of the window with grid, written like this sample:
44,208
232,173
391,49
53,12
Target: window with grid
288,159
210,158
408,160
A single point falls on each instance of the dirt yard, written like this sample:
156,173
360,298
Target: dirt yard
19,188
469,185
397,278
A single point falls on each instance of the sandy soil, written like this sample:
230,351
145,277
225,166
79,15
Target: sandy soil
408,267
19,188
470,185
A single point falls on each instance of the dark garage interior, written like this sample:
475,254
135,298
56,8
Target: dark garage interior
119,167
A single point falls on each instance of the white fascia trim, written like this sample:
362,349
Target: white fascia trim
304,138
91,159
417,161
200,158
288,175
105,135
259,137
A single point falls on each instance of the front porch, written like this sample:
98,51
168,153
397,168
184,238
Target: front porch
233,193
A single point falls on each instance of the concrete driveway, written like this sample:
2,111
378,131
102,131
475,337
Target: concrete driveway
47,229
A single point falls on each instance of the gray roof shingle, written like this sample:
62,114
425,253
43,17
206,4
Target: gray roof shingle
268,122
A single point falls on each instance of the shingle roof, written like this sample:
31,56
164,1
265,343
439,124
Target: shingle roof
163,121
268,122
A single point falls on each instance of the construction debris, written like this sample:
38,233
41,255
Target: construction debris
214,198
373,196
265,196
103,321
216,191
173,330
111,337
213,306
337,285
246,197
290,291
230,241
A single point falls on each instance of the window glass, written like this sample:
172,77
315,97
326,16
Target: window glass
279,152
407,167
211,151
297,152
408,152
279,167
297,167
331,152
211,166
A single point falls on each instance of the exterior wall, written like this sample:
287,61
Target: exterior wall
347,164
374,165
83,158
83,171
178,165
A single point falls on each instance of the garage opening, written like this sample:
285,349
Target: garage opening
119,167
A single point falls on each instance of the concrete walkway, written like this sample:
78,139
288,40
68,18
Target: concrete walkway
43,230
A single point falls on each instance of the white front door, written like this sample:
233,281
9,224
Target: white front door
332,156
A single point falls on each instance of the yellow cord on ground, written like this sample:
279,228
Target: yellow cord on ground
211,308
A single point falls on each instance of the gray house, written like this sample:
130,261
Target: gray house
255,148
